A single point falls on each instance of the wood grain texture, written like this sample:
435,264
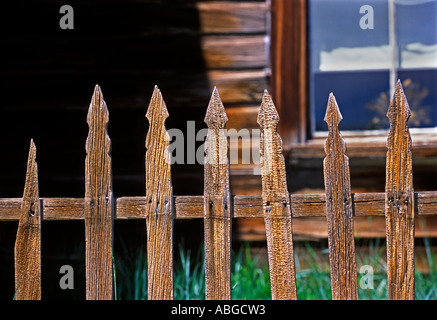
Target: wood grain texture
28,241
98,203
276,205
217,204
399,200
234,51
232,17
63,208
339,209
159,203
239,86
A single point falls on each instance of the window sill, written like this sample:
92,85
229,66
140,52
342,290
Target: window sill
366,144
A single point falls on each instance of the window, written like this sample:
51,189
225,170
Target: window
318,47
358,49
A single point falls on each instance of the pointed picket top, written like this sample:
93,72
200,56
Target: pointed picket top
398,106
268,115
398,114
399,156
215,116
97,119
32,153
32,171
333,118
157,106
271,147
97,104
31,189
216,144
98,142
28,241
30,205
157,137
216,162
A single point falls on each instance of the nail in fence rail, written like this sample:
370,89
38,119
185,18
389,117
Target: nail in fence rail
217,207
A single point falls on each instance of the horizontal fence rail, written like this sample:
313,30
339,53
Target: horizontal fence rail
399,204
243,206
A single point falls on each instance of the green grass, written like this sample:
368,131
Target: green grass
189,277
249,279
426,284
312,282
250,276
375,259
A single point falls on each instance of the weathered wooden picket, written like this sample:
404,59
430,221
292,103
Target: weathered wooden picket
159,207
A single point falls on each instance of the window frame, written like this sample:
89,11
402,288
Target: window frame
290,87
289,66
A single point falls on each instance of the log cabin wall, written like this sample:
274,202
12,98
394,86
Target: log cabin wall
127,47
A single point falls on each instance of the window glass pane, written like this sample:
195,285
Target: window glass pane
352,90
350,55
416,37
337,40
416,33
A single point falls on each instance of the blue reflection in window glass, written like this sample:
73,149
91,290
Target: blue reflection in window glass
354,63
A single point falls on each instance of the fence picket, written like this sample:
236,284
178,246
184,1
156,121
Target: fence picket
276,205
399,201
99,212
217,206
159,203
28,241
339,209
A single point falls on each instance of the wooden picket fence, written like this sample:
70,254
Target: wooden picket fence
218,207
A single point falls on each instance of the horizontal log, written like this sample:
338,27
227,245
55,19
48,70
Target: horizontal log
311,228
189,207
232,17
239,86
237,51
242,117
